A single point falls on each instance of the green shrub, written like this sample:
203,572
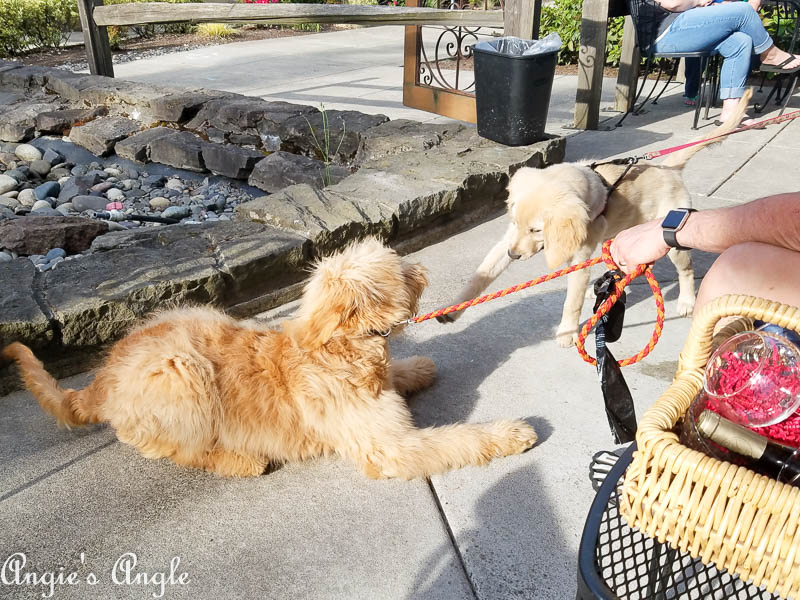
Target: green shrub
26,24
219,31
564,17
146,31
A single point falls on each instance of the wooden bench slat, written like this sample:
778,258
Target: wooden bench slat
290,14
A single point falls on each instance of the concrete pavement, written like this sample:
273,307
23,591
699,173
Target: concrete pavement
82,501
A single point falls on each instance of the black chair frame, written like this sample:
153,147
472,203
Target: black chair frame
646,16
786,10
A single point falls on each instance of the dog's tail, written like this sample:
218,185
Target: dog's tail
70,407
680,158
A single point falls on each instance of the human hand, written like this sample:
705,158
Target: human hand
756,4
642,244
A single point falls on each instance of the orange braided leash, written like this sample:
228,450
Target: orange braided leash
589,325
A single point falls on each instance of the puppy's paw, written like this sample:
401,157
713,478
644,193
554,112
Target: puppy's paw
685,307
412,374
516,437
450,317
421,373
565,339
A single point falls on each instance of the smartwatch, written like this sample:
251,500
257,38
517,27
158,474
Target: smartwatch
673,223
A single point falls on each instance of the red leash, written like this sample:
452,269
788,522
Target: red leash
602,310
757,125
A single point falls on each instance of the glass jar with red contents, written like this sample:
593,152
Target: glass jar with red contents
752,379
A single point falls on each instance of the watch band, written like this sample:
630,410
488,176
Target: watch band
670,235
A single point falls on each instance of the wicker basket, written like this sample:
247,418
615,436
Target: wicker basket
719,512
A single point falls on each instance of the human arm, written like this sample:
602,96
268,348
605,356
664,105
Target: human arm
682,5
774,220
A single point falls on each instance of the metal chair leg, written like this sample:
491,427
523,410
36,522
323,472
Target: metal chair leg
672,71
653,89
647,64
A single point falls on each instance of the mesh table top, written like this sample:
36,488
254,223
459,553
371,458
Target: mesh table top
628,565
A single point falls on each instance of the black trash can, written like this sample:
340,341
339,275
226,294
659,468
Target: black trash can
512,94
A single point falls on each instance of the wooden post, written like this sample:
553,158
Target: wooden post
521,18
592,55
95,39
629,63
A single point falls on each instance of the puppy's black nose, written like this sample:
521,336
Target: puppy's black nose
513,256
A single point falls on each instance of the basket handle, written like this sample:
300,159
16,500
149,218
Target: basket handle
699,346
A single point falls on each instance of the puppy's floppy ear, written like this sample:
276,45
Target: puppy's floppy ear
566,227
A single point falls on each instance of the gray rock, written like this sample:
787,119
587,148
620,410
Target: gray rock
244,116
159,203
55,253
10,203
50,189
7,158
113,172
20,173
46,211
180,107
328,220
61,121
135,193
26,197
82,203
18,123
402,135
7,184
7,213
174,184
79,170
102,187
21,318
176,212
230,161
40,204
156,181
103,306
77,186
115,195
60,173
28,152
40,167
137,146
5,256
181,150
282,169
346,133
65,209
52,157
37,235
100,136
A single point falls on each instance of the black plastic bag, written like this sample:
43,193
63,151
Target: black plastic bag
616,394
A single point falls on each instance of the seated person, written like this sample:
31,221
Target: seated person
732,29
759,244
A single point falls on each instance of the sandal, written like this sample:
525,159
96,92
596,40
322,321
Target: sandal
780,68
690,101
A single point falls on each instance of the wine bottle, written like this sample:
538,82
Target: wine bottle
771,458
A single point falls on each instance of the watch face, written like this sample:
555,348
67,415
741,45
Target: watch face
674,219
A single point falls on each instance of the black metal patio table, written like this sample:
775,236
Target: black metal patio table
617,562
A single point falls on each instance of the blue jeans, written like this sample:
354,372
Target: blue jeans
732,29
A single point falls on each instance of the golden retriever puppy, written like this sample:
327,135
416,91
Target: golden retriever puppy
566,211
206,391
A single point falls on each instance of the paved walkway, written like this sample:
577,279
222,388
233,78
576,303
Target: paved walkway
80,500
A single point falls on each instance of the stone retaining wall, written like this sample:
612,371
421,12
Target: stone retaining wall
403,181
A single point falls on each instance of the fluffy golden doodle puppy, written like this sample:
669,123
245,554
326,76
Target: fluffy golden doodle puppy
566,211
206,391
